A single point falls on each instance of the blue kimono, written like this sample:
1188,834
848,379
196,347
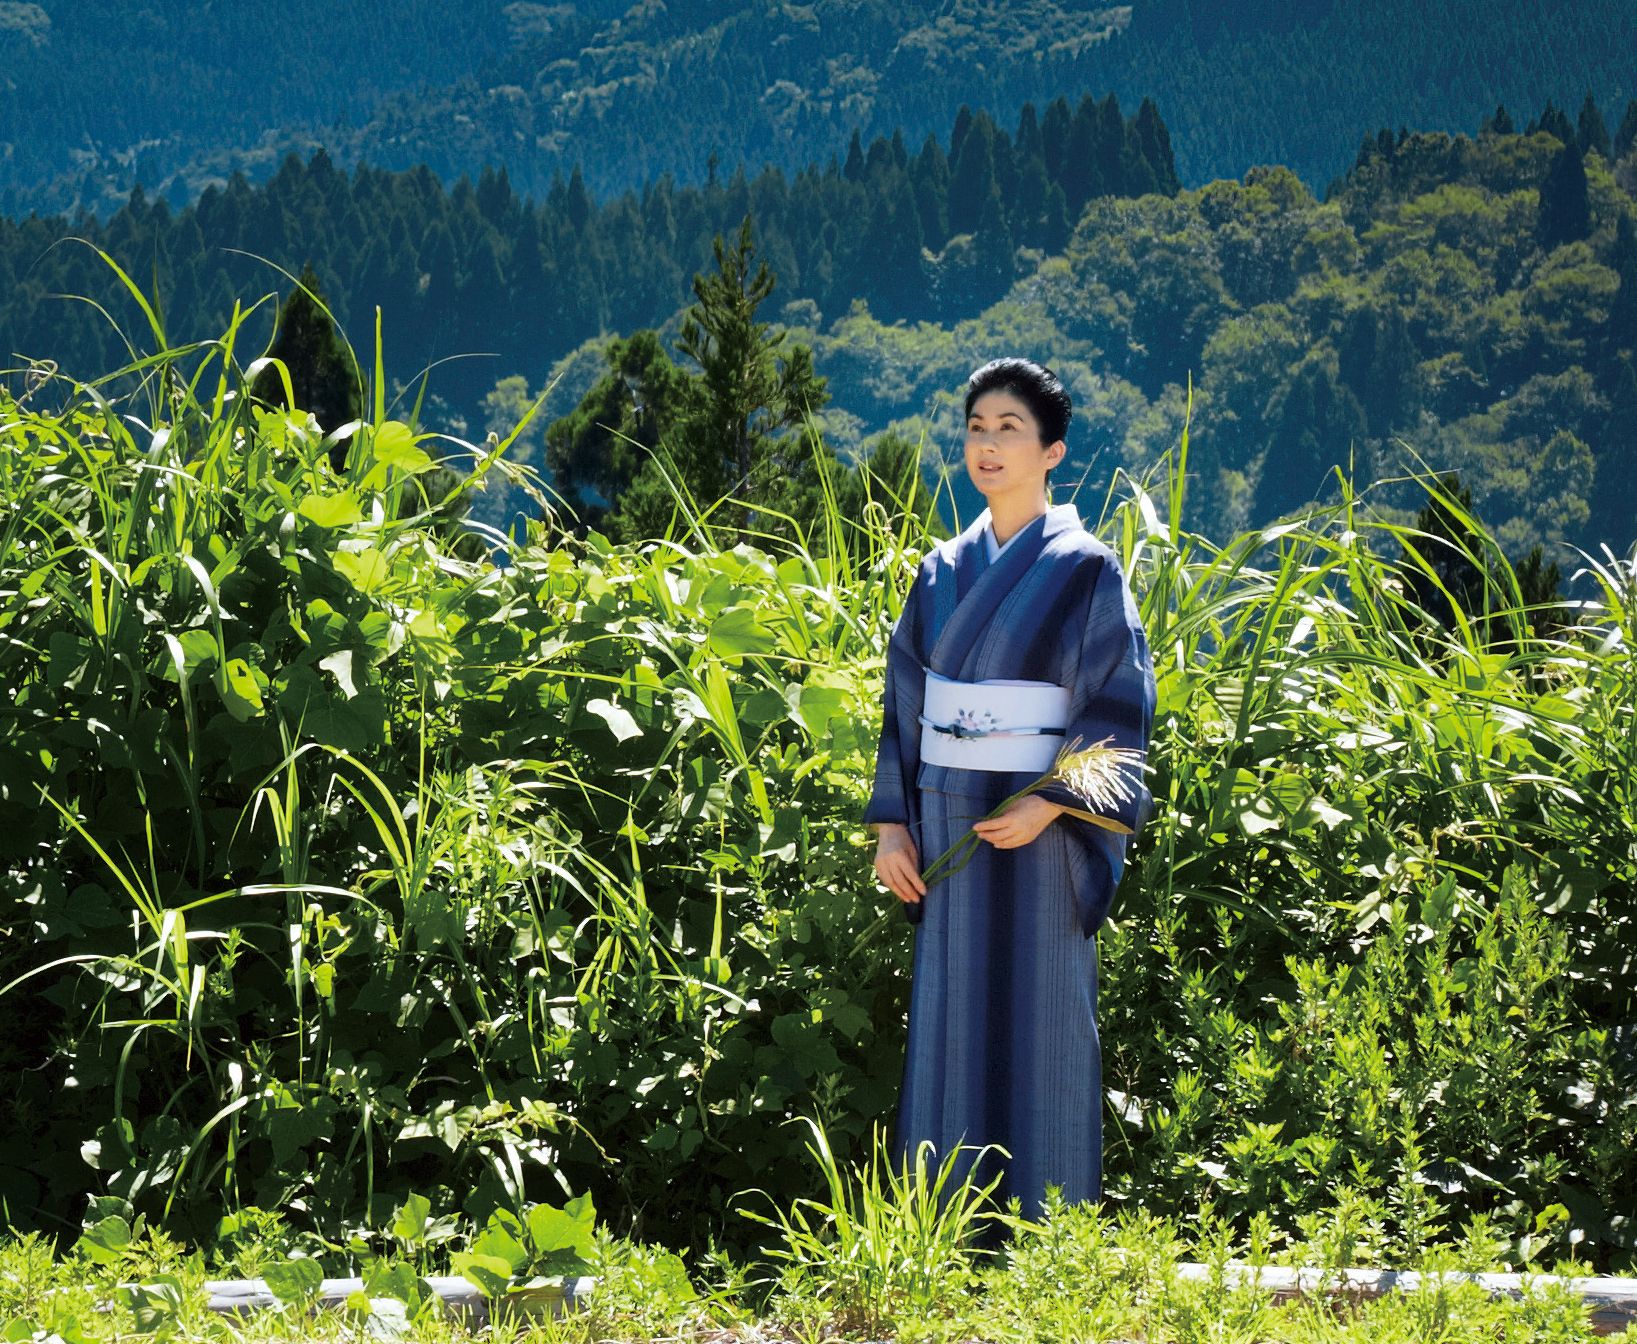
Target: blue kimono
1003,1044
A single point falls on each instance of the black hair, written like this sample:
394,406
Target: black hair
1036,386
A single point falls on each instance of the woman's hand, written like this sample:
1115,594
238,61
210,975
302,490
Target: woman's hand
1018,824
897,864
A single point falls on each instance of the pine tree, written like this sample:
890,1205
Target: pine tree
900,154
1154,142
971,178
596,451
1627,134
323,376
853,169
1591,133
1112,175
930,174
1029,143
903,283
1079,174
1448,550
959,132
1055,132
1564,213
994,251
750,387
1538,587
1055,226
1554,121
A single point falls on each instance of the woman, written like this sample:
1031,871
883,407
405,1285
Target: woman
1023,616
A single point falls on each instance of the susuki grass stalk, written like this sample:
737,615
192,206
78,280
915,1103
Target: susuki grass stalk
1097,773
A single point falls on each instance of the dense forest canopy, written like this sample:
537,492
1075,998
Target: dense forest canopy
476,268
1470,297
633,91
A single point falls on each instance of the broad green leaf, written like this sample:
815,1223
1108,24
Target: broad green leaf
239,691
337,510
739,631
154,1304
489,1274
816,704
617,717
198,647
498,1242
106,1242
395,447
392,1279
366,570
568,1228
410,1221
339,665
294,1282
1258,814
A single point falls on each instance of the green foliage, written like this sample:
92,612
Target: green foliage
353,868
354,880
1074,1273
885,1244
725,438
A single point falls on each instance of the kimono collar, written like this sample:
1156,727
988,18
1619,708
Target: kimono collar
981,584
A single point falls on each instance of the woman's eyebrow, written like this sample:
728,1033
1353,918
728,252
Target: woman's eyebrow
976,415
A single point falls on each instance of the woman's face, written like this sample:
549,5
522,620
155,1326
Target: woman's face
1004,454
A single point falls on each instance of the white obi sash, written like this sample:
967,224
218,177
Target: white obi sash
993,725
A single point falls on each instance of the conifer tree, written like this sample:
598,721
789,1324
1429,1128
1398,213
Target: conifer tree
1079,173
930,174
1554,121
1564,213
971,178
602,444
1538,586
323,377
994,251
1055,132
1055,226
1447,550
853,169
1029,143
750,388
1627,134
1591,133
1154,143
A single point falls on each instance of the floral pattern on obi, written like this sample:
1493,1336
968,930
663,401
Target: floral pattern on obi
973,723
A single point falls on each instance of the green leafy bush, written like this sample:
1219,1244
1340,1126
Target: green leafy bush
339,868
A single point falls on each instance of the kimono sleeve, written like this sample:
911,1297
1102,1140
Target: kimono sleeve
1113,694
898,755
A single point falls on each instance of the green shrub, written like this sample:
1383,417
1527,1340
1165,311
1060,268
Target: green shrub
339,865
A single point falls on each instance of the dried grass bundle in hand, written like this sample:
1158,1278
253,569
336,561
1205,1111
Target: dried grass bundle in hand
1100,773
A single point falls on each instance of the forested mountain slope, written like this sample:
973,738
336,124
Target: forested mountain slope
633,91
1472,297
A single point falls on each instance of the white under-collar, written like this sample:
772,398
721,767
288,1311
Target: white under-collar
990,540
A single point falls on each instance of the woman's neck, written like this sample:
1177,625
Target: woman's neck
1009,517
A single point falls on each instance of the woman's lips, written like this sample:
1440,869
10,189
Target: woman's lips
986,467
